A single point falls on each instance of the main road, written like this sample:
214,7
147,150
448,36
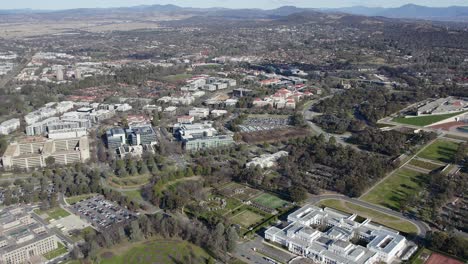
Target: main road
422,227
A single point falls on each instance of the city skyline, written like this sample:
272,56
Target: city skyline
264,4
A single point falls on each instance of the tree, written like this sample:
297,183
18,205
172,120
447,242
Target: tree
232,238
297,193
50,161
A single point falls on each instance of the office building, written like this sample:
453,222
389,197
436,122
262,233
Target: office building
22,239
115,138
200,136
267,160
199,112
326,235
9,126
141,135
33,153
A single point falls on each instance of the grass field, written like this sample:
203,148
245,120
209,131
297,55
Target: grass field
134,195
56,252
270,201
78,198
424,120
424,164
441,150
377,217
129,182
54,213
155,252
247,218
395,188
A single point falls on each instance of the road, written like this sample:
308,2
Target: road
421,226
308,115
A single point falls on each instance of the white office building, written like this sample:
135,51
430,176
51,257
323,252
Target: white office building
332,244
9,126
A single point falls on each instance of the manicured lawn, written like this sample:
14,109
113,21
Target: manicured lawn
129,182
177,77
56,252
420,255
54,213
377,217
270,201
441,150
424,120
133,195
78,198
246,218
396,188
155,252
424,164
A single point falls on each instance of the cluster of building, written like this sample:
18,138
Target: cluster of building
283,98
22,238
131,142
200,136
207,83
267,160
443,106
334,244
34,152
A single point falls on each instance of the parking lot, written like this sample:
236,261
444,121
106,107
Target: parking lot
101,213
254,124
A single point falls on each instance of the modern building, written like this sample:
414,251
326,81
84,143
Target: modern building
9,126
185,119
116,137
141,135
218,112
326,236
34,153
200,136
22,239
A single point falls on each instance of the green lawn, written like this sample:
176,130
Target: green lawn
441,150
177,77
78,198
155,252
56,252
246,218
53,213
377,217
270,201
134,195
424,120
421,253
396,188
424,164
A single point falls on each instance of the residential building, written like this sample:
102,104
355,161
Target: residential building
218,112
33,153
185,119
9,126
333,244
199,112
22,239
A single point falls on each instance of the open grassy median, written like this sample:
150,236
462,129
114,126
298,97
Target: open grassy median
157,251
377,217
440,150
424,120
396,188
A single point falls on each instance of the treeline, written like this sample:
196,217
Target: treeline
449,243
314,163
218,240
390,142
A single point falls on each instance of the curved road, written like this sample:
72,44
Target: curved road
422,227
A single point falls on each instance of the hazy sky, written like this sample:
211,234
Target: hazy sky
265,4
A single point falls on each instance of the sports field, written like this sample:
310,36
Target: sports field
441,150
424,120
247,218
377,217
396,188
270,201
156,252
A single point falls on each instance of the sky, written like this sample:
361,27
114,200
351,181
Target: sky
264,4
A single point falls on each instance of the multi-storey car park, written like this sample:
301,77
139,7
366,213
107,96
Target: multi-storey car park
331,237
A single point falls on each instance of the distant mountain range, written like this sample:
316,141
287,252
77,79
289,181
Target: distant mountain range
410,11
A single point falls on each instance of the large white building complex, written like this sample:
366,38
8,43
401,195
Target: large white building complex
326,236
34,152
22,239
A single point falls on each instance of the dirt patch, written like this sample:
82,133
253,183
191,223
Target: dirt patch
107,255
275,135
